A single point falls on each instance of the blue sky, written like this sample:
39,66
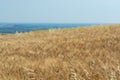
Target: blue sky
60,11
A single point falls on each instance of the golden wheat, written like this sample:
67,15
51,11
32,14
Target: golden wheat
68,54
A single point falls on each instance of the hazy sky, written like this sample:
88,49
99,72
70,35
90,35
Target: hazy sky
60,11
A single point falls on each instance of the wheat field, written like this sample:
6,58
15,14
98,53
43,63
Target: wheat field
86,53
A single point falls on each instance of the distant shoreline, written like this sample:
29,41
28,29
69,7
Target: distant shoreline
13,28
38,30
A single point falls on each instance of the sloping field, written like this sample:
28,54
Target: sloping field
71,54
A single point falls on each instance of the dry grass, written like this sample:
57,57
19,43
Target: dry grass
71,54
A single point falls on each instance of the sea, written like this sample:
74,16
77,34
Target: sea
12,28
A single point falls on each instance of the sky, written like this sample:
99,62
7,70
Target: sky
60,11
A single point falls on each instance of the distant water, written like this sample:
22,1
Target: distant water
12,28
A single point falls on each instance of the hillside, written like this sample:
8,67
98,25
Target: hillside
87,53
